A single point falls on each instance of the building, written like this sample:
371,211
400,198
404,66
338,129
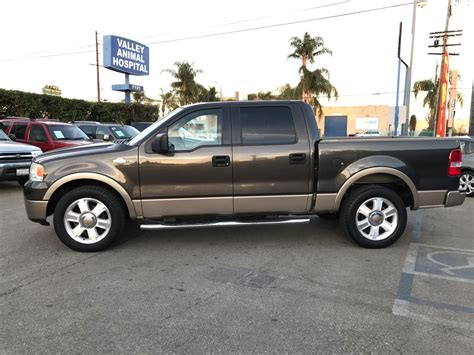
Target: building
349,120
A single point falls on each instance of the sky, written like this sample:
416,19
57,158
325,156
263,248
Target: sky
53,42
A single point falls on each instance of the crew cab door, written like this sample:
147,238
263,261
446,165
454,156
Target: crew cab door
196,178
271,156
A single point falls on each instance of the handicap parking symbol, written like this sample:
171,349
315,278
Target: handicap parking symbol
447,262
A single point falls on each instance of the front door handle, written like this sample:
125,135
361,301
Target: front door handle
297,158
220,161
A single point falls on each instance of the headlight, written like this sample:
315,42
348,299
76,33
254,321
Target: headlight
35,153
36,172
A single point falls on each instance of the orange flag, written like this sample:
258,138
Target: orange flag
443,92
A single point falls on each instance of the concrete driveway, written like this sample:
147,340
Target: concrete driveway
296,288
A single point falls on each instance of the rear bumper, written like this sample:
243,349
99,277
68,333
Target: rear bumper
454,198
440,198
36,211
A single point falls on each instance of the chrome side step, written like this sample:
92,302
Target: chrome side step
222,224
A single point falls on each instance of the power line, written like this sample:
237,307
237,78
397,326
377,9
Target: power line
233,31
281,24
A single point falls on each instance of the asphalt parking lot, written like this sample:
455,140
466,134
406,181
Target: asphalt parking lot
249,289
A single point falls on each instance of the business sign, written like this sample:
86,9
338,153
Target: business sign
127,87
126,56
367,123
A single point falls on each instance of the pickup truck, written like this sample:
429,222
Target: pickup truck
15,159
241,163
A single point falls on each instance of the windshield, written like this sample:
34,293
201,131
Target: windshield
123,132
151,128
3,136
66,132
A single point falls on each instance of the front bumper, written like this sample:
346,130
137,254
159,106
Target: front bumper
36,211
8,170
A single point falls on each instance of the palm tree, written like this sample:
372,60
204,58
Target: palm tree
431,87
317,83
308,48
185,85
312,83
167,101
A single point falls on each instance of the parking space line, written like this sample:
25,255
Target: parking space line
402,308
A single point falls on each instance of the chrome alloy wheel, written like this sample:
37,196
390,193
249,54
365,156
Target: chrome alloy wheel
466,183
377,218
87,220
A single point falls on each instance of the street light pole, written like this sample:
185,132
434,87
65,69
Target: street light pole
408,77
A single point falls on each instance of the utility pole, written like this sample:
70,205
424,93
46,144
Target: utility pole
443,64
97,65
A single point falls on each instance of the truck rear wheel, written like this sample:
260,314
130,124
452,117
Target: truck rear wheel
89,218
373,216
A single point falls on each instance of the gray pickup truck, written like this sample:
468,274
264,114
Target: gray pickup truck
15,159
241,163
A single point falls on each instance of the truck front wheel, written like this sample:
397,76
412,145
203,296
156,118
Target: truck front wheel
374,216
89,218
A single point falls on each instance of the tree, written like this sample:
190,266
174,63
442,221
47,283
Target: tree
287,92
312,83
412,124
317,82
167,101
185,86
308,48
431,98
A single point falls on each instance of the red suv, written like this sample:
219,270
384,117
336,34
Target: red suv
43,133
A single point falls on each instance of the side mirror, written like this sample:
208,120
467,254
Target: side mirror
108,138
160,143
12,137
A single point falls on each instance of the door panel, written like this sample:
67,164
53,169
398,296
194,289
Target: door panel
195,179
278,174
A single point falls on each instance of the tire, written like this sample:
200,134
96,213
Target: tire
94,215
380,210
328,216
22,181
466,183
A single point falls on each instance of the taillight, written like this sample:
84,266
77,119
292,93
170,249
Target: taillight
455,161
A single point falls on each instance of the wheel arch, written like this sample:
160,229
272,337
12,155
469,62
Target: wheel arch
69,182
379,175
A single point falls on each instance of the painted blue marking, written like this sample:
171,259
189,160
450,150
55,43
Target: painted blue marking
404,289
416,232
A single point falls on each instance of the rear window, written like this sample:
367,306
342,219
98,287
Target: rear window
19,130
66,132
267,125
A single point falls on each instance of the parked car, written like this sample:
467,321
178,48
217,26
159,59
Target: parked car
15,159
109,132
255,163
372,133
42,133
466,181
141,125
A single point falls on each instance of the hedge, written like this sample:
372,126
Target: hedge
24,104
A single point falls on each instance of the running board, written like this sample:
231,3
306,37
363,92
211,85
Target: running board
222,224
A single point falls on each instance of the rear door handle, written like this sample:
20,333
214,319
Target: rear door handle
297,158
220,161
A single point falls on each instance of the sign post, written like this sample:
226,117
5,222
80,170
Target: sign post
129,57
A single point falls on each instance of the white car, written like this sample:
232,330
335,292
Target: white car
368,134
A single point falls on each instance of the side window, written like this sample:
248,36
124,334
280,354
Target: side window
37,134
267,125
197,129
101,132
4,126
89,130
19,130
471,148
